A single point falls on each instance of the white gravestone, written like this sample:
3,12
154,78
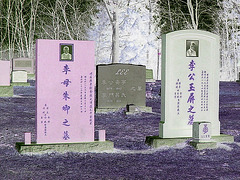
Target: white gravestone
190,82
19,76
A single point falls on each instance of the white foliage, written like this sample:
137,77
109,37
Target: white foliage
138,43
228,30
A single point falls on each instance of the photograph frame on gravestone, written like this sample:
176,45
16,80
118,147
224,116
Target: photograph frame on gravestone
192,48
66,52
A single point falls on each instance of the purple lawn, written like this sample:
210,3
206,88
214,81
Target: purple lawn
131,159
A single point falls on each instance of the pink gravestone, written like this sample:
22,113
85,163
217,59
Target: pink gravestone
102,135
65,91
27,138
4,73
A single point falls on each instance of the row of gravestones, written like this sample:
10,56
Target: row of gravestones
19,69
65,87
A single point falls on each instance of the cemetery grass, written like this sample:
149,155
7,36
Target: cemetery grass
131,158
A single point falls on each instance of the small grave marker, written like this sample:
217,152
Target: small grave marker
202,131
19,76
4,73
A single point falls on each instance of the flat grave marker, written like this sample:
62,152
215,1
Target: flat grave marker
19,76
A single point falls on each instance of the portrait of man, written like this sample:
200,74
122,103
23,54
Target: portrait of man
66,52
192,48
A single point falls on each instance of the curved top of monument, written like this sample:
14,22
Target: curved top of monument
192,31
120,64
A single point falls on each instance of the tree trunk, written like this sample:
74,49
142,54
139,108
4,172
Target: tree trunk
115,37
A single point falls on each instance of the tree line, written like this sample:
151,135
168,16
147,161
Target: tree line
23,21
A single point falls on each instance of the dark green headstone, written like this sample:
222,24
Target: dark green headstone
120,84
149,74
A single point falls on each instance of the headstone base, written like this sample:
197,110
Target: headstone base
156,141
223,138
203,145
83,147
107,110
150,80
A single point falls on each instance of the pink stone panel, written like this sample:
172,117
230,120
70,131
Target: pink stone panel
65,92
102,135
27,138
4,73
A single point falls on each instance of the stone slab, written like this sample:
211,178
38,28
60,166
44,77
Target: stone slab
108,110
190,82
65,91
120,84
83,147
203,145
19,76
23,64
156,141
223,138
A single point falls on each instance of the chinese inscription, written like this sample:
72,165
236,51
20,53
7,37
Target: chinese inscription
191,98
178,95
45,118
204,91
66,98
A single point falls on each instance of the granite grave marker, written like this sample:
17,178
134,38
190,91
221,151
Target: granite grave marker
190,82
120,84
65,91
23,64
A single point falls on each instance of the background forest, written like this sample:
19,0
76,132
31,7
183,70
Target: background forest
126,31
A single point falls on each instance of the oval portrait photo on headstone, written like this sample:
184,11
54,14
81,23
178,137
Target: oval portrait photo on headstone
192,47
66,52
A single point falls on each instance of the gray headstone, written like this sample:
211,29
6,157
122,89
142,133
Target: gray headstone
23,64
120,84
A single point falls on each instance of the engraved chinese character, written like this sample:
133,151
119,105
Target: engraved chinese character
66,96
190,109
66,82
66,108
191,76
192,65
65,122
191,98
191,119
66,69
191,87
66,135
